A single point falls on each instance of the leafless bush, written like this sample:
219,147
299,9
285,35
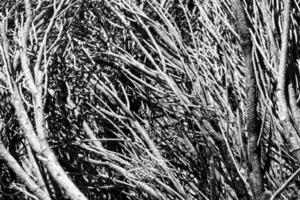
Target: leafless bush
149,100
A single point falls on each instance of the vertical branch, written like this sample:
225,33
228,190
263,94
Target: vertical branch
282,75
40,177
254,156
35,133
53,166
31,137
267,20
25,63
283,81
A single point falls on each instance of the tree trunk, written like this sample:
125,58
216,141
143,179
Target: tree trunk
254,157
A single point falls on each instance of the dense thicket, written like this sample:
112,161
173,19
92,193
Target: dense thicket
133,99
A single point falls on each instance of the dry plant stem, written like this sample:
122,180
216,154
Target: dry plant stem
284,186
295,110
4,41
150,191
255,174
233,159
19,171
38,144
54,168
92,136
268,22
18,103
38,176
149,141
43,44
283,106
24,120
25,63
36,169
42,149
159,158
282,75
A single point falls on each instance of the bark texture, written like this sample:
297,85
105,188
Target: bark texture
35,133
19,171
254,157
286,103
